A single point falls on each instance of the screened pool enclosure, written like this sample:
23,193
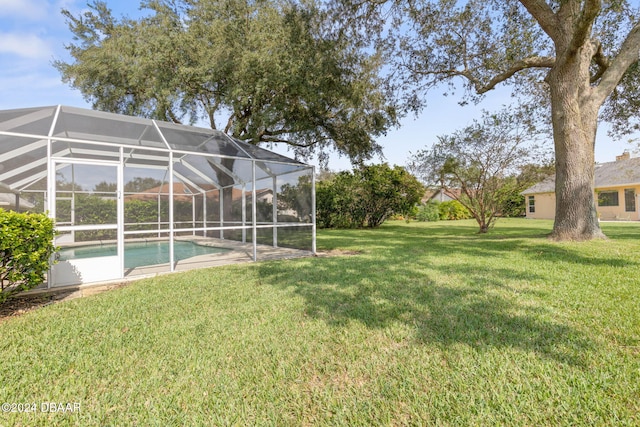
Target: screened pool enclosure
135,196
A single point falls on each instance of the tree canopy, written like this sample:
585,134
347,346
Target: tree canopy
573,55
481,44
264,72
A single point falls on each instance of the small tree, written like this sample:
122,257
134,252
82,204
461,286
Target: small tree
386,191
297,198
336,201
476,162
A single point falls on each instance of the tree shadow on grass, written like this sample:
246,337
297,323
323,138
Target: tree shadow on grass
445,303
622,231
531,242
478,313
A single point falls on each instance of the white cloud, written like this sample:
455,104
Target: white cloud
25,86
34,10
25,45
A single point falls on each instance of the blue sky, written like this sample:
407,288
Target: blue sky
33,34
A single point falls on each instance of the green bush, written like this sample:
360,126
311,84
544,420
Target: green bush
429,211
336,203
366,197
513,205
26,245
453,210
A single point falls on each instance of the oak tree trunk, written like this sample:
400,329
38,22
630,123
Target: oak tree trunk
574,117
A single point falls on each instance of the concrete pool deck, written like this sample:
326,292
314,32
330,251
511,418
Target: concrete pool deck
239,253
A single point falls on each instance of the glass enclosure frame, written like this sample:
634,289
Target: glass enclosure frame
171,182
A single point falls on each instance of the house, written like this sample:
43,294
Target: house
11,201
181,193
617,186
441,195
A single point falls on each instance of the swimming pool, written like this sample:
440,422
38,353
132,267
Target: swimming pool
138,254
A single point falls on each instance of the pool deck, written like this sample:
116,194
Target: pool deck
240,253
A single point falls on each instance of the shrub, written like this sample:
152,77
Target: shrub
336,202
385,191
366,197
26,245
513,205
429,211
453,210
413,212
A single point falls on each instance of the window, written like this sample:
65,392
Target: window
629,200
608,198
532,204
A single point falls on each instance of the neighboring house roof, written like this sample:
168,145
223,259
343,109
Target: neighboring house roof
182,193
8,201
441,195
611,174
548,185
622,172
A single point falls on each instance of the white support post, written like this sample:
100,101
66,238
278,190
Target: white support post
51,202
73,201
204,214
50,195
171,237
222,211
244,213
313,210
275,211
254,216
120,207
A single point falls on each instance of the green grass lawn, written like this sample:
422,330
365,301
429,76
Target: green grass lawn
429,324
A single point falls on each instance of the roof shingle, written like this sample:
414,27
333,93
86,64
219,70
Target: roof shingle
611,174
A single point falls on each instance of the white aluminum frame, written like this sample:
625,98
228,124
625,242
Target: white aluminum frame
125,152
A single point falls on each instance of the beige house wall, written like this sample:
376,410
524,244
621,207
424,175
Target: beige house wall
545,205
620,212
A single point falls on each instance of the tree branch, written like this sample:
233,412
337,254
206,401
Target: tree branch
289,142
270,133
589,13
230,121
628,55
275,137
543,14
172,116
533,62
603,63
210,107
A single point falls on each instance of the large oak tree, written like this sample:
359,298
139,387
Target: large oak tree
265,71
571,56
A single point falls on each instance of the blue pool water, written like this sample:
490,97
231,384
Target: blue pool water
137,254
